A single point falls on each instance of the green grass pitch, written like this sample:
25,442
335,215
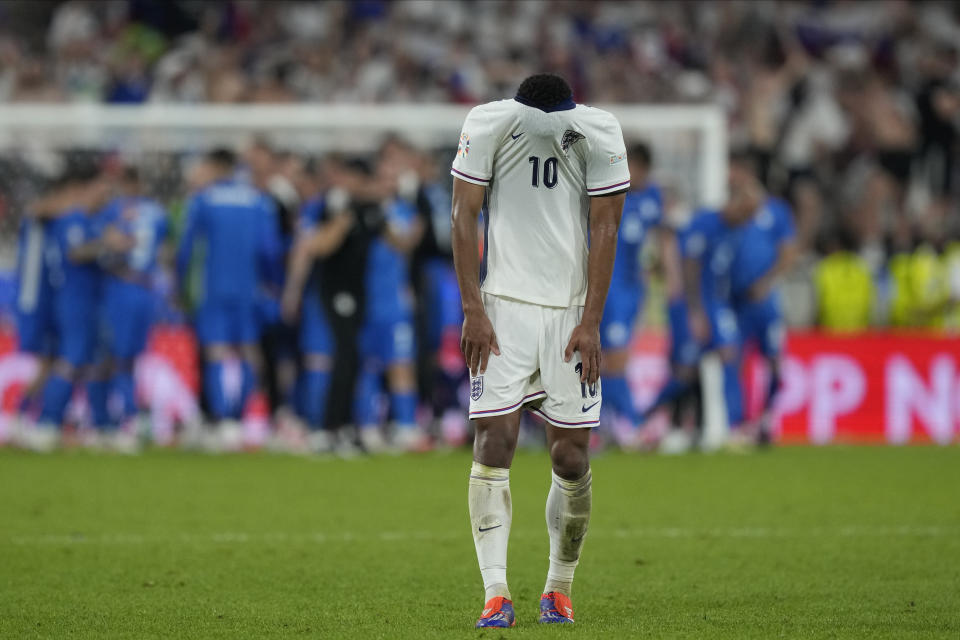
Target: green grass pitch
794,543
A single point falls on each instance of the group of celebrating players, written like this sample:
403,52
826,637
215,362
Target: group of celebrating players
330,286
299,278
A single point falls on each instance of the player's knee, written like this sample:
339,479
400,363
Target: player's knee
494,445
570,459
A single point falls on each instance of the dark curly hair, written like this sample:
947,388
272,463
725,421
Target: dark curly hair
544,91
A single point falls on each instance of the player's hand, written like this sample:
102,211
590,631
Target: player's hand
700,325
117,241
477,342
586,340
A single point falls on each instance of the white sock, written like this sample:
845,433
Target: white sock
568,515
490,515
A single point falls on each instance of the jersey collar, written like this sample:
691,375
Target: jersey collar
566,105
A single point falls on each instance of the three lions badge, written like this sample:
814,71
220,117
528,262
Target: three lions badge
476,388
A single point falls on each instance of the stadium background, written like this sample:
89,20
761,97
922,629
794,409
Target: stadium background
852,109
849,108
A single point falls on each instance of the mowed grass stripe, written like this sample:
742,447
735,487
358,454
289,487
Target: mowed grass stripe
797,543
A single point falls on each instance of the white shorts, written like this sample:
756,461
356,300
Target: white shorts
530,371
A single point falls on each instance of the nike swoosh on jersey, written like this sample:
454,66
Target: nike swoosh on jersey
516,136
481,529
585,409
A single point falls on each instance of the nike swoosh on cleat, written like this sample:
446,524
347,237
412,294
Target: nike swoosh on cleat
585,409
516,136
481,529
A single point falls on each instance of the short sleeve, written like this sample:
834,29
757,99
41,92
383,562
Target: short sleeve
607,169
476,149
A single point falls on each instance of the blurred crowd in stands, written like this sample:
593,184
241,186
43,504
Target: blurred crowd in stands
850,108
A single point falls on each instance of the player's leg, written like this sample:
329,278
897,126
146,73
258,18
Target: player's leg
772,339
616,329
571,408
683,355
368,391
75,328
98,396
568,516
317,345
402,383
726,339
496,399
491,511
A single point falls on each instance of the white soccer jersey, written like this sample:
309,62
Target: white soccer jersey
541,169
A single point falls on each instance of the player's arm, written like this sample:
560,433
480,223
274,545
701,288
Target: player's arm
313,243
787,252
605,212
692,247
478,339
786,255
405,239
670,261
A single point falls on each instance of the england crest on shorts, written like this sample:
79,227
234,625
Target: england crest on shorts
476,388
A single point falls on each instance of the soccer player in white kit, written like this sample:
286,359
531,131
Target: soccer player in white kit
554,174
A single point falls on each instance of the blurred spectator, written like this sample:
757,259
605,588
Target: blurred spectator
844,286
850,108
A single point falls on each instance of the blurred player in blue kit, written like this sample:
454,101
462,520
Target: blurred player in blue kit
642,214
323,225
387,345
237,226
709,247
767,250
34,301
72,249
127,303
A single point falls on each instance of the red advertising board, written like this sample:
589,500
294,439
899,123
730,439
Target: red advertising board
875,388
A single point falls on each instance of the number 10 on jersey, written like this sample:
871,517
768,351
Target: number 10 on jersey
549,172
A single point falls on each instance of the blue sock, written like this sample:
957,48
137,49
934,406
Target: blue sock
365,398
123,385
314,384
98,393
213,387
616,395
247,383
732,394
403,408
669,393
56,397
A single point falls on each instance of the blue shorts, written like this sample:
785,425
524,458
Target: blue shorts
684,349
619,316
762,322
387,342
268,311
231,322
36,330
315,335
127,318
76,323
